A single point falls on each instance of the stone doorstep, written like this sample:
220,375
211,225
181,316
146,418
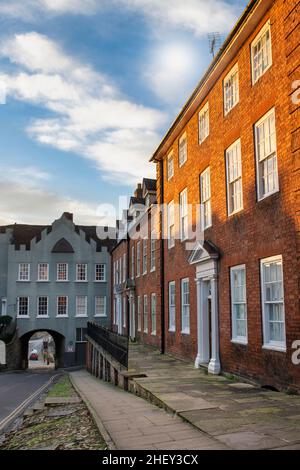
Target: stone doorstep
61,400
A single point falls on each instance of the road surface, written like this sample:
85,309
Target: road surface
16,387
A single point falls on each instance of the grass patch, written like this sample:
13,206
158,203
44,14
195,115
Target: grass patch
63,388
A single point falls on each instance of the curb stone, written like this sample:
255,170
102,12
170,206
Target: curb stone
103,431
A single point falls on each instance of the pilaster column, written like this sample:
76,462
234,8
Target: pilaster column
214,366
202,325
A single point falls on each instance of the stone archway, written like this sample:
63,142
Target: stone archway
59,341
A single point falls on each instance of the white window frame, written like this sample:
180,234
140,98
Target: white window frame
185,330
205,196
172,307
182,150
139,313
231,89
124,266
66,271
184,215
234,177
153,314
171,224
79,307
18,306
203,123
82,340
86,273
138,259
28,272
153,251
104,314
145,314
267,343
170,165
132,263
145,257
67,307
235,337
39,272
262,33
268,156
103,269
124,312
38,304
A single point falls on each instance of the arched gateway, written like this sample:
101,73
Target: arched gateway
59,341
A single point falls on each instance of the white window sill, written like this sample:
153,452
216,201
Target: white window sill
226,113
153,333
100,316
258,78
23,316
275,347
81,316
146,272
42,316
42,280
62,280
62,316
81,281
99,282
185,332
204,139
240,341
235,212
172,330
145,332
152,270
262,198
23,280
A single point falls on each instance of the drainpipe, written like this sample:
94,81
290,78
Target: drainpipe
162,261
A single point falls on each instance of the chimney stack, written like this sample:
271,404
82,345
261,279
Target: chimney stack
139,191
68,216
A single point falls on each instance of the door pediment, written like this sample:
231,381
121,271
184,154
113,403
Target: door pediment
203,251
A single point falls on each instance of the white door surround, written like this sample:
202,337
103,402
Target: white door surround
205,258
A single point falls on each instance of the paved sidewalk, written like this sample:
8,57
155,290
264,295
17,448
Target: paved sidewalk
133,423
237,414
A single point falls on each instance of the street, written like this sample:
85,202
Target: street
17,387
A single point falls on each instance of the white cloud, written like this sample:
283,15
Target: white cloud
22,200
92,118
198,16
30,10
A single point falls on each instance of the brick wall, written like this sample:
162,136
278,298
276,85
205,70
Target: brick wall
262,229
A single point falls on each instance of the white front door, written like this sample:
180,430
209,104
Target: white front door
207,319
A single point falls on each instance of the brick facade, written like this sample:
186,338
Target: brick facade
262,228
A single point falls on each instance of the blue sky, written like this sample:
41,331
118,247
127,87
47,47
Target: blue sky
91,87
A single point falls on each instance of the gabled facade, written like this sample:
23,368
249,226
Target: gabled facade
55,278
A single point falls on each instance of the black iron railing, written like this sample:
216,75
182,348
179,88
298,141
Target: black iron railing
116,345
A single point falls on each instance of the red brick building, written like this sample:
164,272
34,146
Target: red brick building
136,269
232,303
